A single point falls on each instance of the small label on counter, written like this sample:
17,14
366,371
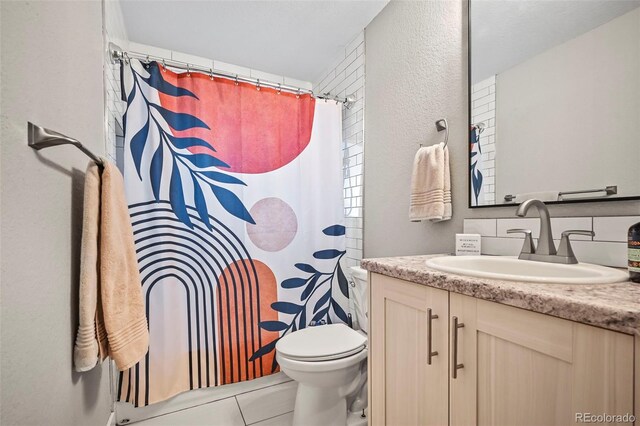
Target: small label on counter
468,244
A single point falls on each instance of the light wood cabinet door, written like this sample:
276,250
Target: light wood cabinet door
405,388
526,368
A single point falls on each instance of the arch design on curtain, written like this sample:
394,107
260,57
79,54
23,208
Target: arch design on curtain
232,190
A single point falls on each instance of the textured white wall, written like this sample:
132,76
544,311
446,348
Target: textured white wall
52,75
416,74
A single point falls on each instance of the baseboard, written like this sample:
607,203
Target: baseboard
112,419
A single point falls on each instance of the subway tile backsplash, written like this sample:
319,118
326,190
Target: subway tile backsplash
601,252
484,227
526,223
614,228
560,224
608,247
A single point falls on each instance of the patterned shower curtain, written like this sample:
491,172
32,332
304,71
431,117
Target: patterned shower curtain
235,196
475,167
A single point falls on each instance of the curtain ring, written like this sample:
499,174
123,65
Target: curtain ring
236,83
188,70
258,85
164,66
279,89
211,73
147,62
298,94
126,58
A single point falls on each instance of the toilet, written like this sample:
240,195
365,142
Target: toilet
329,362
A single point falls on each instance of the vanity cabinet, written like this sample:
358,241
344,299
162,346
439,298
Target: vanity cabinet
405,388
522,367
514,366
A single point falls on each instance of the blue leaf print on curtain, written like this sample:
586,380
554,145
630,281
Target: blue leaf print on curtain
316,282
198,168
156,81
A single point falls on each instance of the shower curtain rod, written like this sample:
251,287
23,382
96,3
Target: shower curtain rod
118,55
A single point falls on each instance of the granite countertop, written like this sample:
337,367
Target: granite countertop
611,306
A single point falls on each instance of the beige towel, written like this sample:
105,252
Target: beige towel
120,287
448,210
85,352
112,316
431,185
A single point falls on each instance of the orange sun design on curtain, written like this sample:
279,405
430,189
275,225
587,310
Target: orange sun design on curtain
252,130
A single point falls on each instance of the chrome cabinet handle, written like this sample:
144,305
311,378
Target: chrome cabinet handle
454,353
430,353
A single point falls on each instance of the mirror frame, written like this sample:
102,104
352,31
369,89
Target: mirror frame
469,65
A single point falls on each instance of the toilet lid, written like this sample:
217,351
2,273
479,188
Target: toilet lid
323,342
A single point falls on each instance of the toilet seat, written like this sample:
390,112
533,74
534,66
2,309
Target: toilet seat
321,343
325,358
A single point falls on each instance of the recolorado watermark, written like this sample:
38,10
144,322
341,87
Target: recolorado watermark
605,418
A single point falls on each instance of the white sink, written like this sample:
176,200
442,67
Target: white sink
514,269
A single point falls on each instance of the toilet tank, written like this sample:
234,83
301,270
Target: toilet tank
359,300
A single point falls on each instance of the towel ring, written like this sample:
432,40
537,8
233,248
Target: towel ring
443,125
440,126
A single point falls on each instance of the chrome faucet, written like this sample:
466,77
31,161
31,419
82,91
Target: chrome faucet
546,249
545,241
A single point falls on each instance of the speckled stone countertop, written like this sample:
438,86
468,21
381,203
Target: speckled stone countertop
612,306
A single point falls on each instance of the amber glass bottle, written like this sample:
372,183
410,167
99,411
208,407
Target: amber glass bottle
634,253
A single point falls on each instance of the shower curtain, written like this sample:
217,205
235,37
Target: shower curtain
475,167
235,197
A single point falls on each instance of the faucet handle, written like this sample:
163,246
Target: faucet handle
527,247
565,249
577,232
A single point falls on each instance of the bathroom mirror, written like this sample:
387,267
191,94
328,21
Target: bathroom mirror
554,101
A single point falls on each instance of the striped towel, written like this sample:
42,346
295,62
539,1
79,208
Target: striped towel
431,185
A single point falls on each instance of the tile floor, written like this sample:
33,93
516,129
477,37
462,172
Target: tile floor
269,406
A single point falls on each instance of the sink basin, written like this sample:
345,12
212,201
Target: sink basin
514,269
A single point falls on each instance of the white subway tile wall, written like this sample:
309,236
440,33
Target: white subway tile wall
483,109
608,246
343,78
115,32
